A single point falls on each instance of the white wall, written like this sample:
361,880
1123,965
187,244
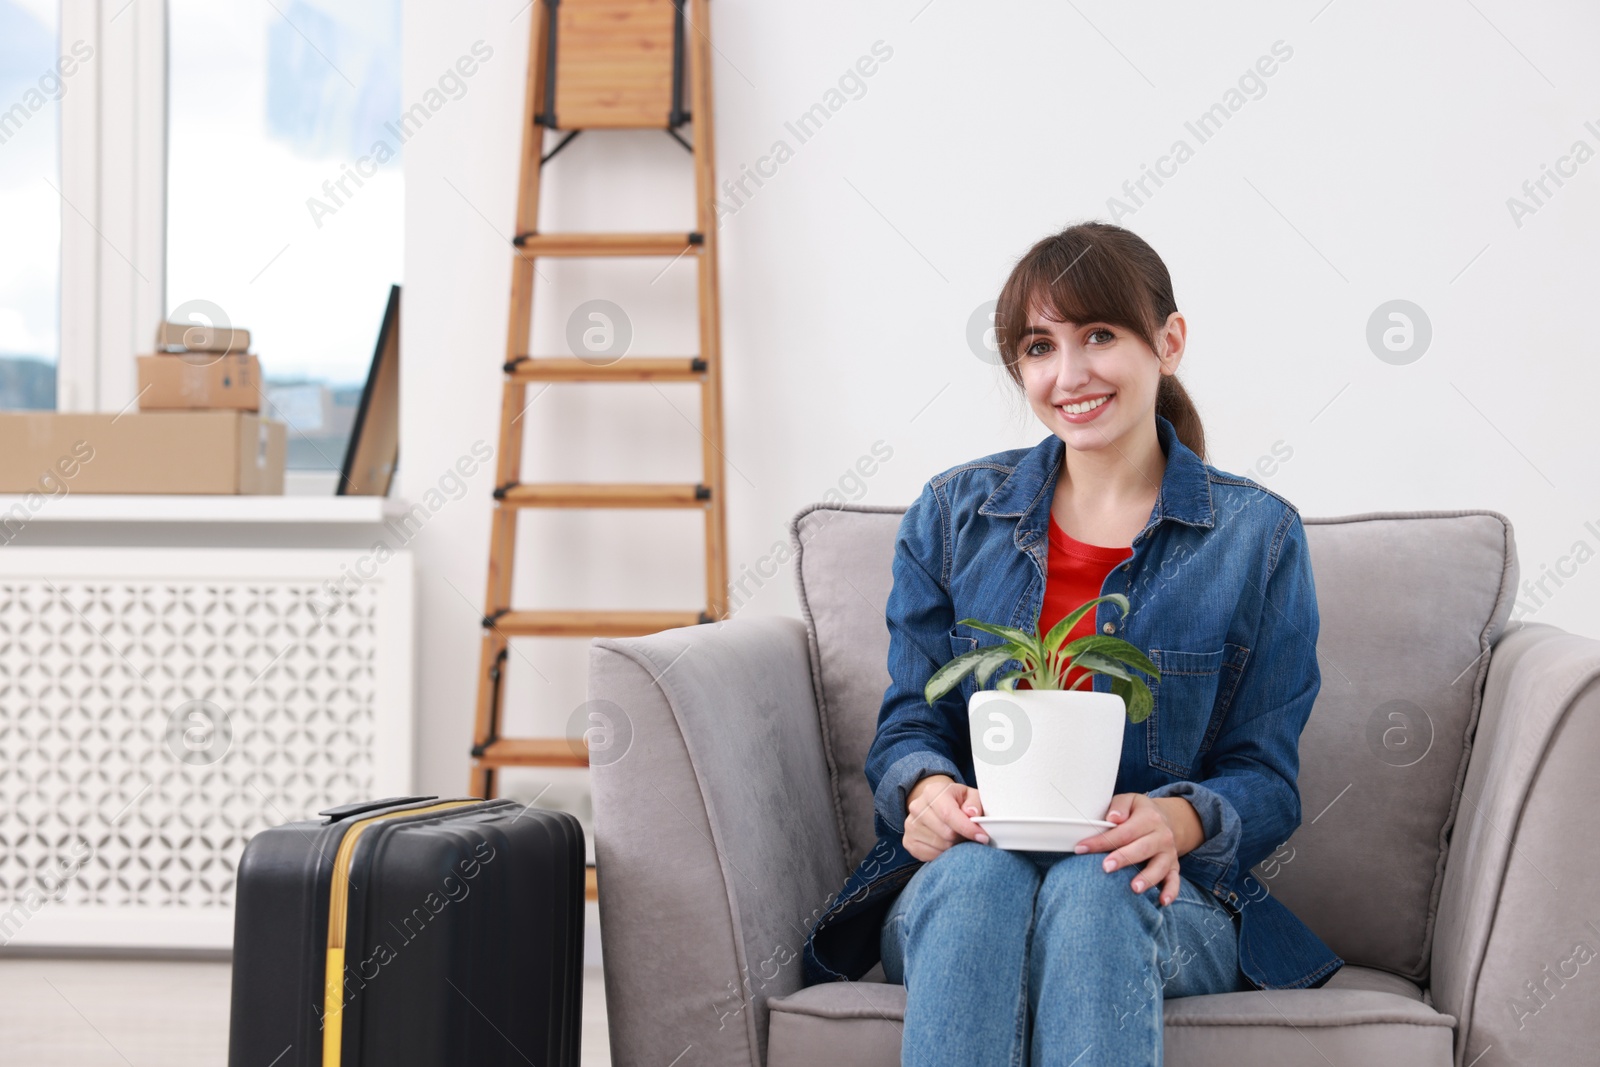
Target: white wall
1376,165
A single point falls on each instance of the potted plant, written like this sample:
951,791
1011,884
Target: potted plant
1046,757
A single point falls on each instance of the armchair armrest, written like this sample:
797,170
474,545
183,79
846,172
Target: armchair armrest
716,835
1514,951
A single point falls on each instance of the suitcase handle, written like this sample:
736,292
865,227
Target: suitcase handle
344,811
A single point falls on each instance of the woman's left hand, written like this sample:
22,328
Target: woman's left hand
1143,832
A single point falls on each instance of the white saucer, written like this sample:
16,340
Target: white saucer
1038,834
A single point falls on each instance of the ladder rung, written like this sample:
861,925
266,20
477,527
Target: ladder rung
534,752
594,623
565,369
608,244
592,495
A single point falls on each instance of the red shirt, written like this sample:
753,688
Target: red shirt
1077,572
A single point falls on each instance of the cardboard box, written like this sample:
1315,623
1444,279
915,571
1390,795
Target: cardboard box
199,337
141,452
199,380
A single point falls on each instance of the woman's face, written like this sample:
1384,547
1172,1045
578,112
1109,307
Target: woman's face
1093,382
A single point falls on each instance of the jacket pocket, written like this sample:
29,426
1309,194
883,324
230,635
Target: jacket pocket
1190,700
962,640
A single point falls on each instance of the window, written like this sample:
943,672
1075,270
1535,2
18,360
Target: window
285,194
33,77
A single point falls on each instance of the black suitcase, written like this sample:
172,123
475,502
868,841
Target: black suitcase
456,928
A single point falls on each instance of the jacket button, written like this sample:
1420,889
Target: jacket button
1110,627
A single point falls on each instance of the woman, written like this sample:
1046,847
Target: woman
1047,957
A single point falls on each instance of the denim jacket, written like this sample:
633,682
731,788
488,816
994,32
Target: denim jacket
1220,598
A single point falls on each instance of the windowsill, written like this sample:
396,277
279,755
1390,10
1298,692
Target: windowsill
208,508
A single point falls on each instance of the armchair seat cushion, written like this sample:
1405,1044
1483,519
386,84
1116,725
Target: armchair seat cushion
1361,1016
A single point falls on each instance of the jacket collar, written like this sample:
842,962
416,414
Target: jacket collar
1185,493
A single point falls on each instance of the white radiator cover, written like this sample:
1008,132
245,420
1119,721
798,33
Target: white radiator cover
124,807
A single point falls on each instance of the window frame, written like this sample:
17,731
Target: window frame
114,201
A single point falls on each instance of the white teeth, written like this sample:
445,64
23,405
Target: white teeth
1079,409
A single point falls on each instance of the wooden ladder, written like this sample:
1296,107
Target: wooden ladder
593,64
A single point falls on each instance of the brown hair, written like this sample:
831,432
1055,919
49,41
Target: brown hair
1097,272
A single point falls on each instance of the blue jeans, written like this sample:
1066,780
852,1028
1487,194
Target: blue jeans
1045,958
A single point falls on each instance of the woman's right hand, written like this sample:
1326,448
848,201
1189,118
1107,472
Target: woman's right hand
939,813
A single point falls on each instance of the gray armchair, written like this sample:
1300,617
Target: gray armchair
1446,850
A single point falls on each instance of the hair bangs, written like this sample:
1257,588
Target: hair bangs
1067,281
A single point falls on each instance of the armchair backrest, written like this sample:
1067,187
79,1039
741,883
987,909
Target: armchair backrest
1410,605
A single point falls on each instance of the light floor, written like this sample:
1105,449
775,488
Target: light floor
171,1013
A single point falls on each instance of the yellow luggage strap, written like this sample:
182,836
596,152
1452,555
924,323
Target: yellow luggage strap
338,913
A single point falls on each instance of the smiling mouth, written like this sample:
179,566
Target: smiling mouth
1085,406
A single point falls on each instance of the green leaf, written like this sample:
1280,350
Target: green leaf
949,676
1009,682
1092,643
1093,661
1010,633
1136,696
1059,631
994,657
1131,655
1114,648
1142,704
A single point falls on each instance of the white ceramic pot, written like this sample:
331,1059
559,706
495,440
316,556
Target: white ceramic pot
1046,753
